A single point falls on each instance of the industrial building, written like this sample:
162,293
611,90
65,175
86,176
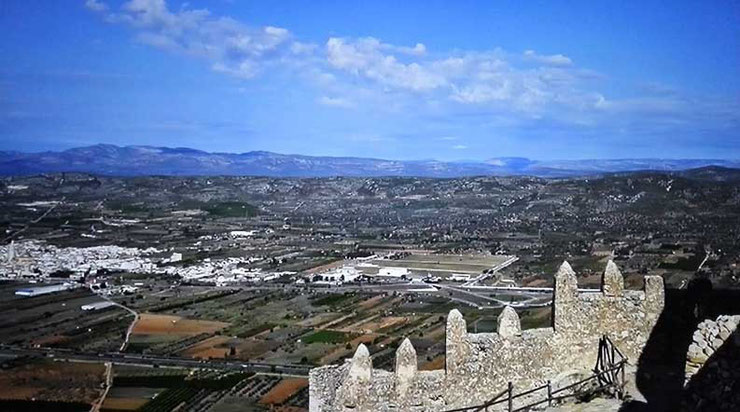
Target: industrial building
98,305
43,290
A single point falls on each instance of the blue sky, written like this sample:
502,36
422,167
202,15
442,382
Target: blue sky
448,80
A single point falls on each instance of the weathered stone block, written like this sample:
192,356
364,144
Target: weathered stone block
612,281
699,358
694,349
361,366
406,367
655,293
566,284
509,325
455,344
717,343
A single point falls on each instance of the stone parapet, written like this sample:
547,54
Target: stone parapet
479,365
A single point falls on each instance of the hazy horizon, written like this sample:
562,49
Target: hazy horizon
460,160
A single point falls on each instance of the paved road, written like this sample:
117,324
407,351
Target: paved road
401,286
126,308
706,257
491,272
108,384
135,359
469,295
109,366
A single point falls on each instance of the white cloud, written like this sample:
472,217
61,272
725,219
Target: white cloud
334,101
302,48
483,92
233,48
459,147
418,50
503,87
245,69
365,57
96,5
229,45
470,78
553,60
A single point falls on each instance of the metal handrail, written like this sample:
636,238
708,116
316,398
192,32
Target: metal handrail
594,376
619,352
494,400
552,395
490,402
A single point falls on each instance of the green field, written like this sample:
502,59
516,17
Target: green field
328,336
231,209
332,299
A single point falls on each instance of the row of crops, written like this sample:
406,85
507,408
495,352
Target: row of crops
167,348
200,390
187,301
172,398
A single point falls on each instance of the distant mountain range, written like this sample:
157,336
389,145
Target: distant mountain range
148,160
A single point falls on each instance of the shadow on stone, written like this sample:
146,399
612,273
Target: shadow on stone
716,385
661,367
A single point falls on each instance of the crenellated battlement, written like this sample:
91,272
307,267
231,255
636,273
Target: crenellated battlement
478,365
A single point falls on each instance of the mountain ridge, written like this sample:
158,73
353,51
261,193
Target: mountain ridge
107,159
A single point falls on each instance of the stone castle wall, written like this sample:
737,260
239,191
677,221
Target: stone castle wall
480,365
713,366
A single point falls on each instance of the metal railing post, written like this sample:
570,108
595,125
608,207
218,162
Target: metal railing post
549,394
511,401
614,374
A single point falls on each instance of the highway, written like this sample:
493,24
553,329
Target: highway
147,360
477,296
491,272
